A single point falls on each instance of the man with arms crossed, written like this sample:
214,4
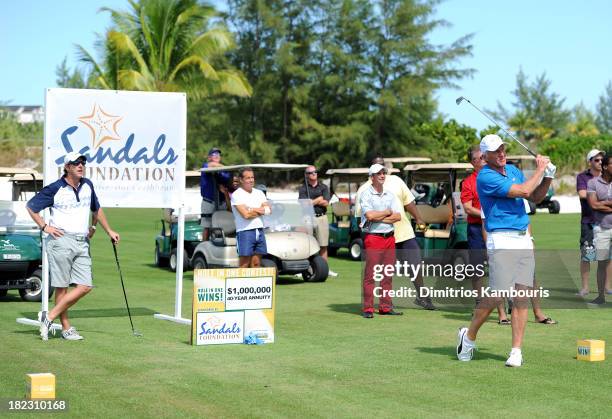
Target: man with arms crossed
70,199
380,210
501,188
599,195
249,205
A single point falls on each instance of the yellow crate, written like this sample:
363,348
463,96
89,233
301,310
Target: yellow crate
40,386
591,350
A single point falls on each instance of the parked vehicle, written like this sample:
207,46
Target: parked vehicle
445,237
292,247
20,237
527,165
166,240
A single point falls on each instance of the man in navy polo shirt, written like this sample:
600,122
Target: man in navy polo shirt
207,190
70,200
501,189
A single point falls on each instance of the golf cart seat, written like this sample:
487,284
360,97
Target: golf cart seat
342,212
223,231
438,215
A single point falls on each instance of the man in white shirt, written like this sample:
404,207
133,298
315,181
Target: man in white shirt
248,206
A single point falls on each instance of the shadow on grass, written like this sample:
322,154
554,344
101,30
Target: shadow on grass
289,280
108,312
354,308
10,298
450,352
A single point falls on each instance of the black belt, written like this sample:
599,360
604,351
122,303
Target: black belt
384,235
320,215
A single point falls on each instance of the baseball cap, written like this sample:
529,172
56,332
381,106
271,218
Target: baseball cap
213,151
375,168
593,153
490,142
73,157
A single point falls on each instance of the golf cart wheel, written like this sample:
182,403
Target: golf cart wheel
174,258
268,263
318,270
159,260
356,249
199,262
554,207
35,292
532,208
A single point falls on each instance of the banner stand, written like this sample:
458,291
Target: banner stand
180,254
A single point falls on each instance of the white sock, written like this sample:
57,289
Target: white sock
515,350
468,340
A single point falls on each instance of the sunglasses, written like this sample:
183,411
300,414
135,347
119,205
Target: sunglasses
312,173
597,160
76,163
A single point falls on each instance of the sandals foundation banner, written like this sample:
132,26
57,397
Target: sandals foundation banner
234,305
134,142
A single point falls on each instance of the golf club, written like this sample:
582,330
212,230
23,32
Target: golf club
461,99
134,332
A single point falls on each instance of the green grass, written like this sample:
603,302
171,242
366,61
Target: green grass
327,361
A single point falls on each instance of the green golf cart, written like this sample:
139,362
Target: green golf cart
438,186
526,163
344,229
20,237
166,240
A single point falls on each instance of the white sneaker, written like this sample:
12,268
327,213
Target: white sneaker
45,325
515,359
465,349
71,334
332,273
297,276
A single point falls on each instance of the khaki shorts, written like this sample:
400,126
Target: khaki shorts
321,231
511,260
602,237
69,261
207,208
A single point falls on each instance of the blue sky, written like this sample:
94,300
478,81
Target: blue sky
571,41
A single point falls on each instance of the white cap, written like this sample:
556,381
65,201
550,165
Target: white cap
375,168
490,142
592,154
73,157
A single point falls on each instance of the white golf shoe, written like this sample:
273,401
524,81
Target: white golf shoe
46,325
465,347
71,334
515,359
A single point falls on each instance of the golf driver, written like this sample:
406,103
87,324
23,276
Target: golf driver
461,99
134,332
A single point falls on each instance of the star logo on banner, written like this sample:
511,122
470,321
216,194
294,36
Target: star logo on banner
215,322
103,126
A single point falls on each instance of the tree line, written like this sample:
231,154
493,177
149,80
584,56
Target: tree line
324,81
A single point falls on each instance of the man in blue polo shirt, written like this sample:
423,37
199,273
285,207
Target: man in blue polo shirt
70,199
207,190
501,189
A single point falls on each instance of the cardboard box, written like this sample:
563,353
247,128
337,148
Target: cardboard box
591,350
40,386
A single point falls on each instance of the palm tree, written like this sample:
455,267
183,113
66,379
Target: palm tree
167,45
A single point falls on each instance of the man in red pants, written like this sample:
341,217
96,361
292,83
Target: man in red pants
379,210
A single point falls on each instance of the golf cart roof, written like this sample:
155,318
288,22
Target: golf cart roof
407,159
267,166
192,173
355,171
12,171
438,166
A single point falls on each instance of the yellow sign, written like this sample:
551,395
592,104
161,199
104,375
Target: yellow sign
40,386
233,304
591,350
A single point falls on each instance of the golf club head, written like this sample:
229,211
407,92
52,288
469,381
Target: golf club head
136,334
459,100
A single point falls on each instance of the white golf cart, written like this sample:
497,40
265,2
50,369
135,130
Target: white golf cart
20,237
291,246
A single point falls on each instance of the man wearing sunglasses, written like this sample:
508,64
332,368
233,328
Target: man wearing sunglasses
70,200
587,220
318,193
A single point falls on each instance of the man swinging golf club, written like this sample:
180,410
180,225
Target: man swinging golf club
502,188
70,199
